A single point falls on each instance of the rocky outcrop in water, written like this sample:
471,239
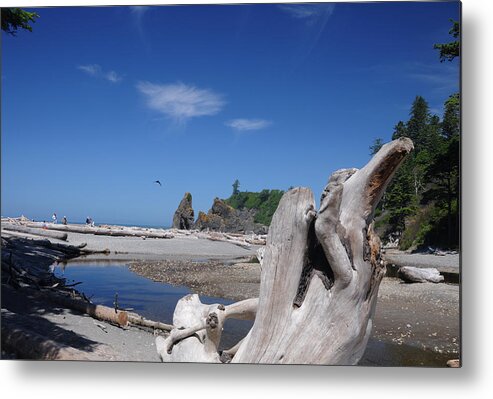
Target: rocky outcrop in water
184,216
222,217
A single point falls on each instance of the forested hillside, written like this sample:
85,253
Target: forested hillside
421,207
264,202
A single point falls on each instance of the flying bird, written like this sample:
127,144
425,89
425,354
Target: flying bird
158,182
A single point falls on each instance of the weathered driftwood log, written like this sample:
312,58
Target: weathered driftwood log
216,236
420,275
35,231
24,244
115,231
320,277
138,320
100,312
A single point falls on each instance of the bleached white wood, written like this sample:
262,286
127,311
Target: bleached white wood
420,275
320,276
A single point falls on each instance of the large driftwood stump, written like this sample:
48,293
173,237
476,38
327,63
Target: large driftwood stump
320,277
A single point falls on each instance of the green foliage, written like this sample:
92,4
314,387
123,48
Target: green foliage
421,203
264,202
399,131
448,51
14,19
417,226
236,186
451,116
375,147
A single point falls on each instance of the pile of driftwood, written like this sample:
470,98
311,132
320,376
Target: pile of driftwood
242,240
235,239
24,227
26,269
53,230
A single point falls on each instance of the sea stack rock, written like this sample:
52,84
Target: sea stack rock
222,217
184,215
215,218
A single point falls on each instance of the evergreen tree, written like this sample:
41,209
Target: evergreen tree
398,196
451,116
448,51
444,174
399,131
236,186
375,147
14,19
416,128
422,202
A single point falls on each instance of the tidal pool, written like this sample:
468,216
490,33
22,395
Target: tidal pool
105,282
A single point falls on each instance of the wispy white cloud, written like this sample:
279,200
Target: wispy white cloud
92,69
96,71
139,10
248,124
112,76
138,13
179,101
308,12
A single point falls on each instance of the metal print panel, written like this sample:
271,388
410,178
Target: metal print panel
257,183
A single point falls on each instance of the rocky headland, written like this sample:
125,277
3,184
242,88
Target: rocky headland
222,217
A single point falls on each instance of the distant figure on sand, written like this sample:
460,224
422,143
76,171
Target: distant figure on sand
89,222
64,220
54,218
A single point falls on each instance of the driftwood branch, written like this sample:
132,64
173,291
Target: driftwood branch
115,231
198,328
35,231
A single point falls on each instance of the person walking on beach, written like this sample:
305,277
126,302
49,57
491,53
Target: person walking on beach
54,218
64,220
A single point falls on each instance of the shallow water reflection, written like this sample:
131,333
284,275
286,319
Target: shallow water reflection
105,282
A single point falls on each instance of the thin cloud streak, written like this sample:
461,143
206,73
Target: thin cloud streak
112,76
92,69
139,10
138,13
179,101
248,124
96,71
308,12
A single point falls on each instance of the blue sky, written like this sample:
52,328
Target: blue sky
98,102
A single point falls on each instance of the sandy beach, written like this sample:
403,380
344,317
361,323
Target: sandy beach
420,316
